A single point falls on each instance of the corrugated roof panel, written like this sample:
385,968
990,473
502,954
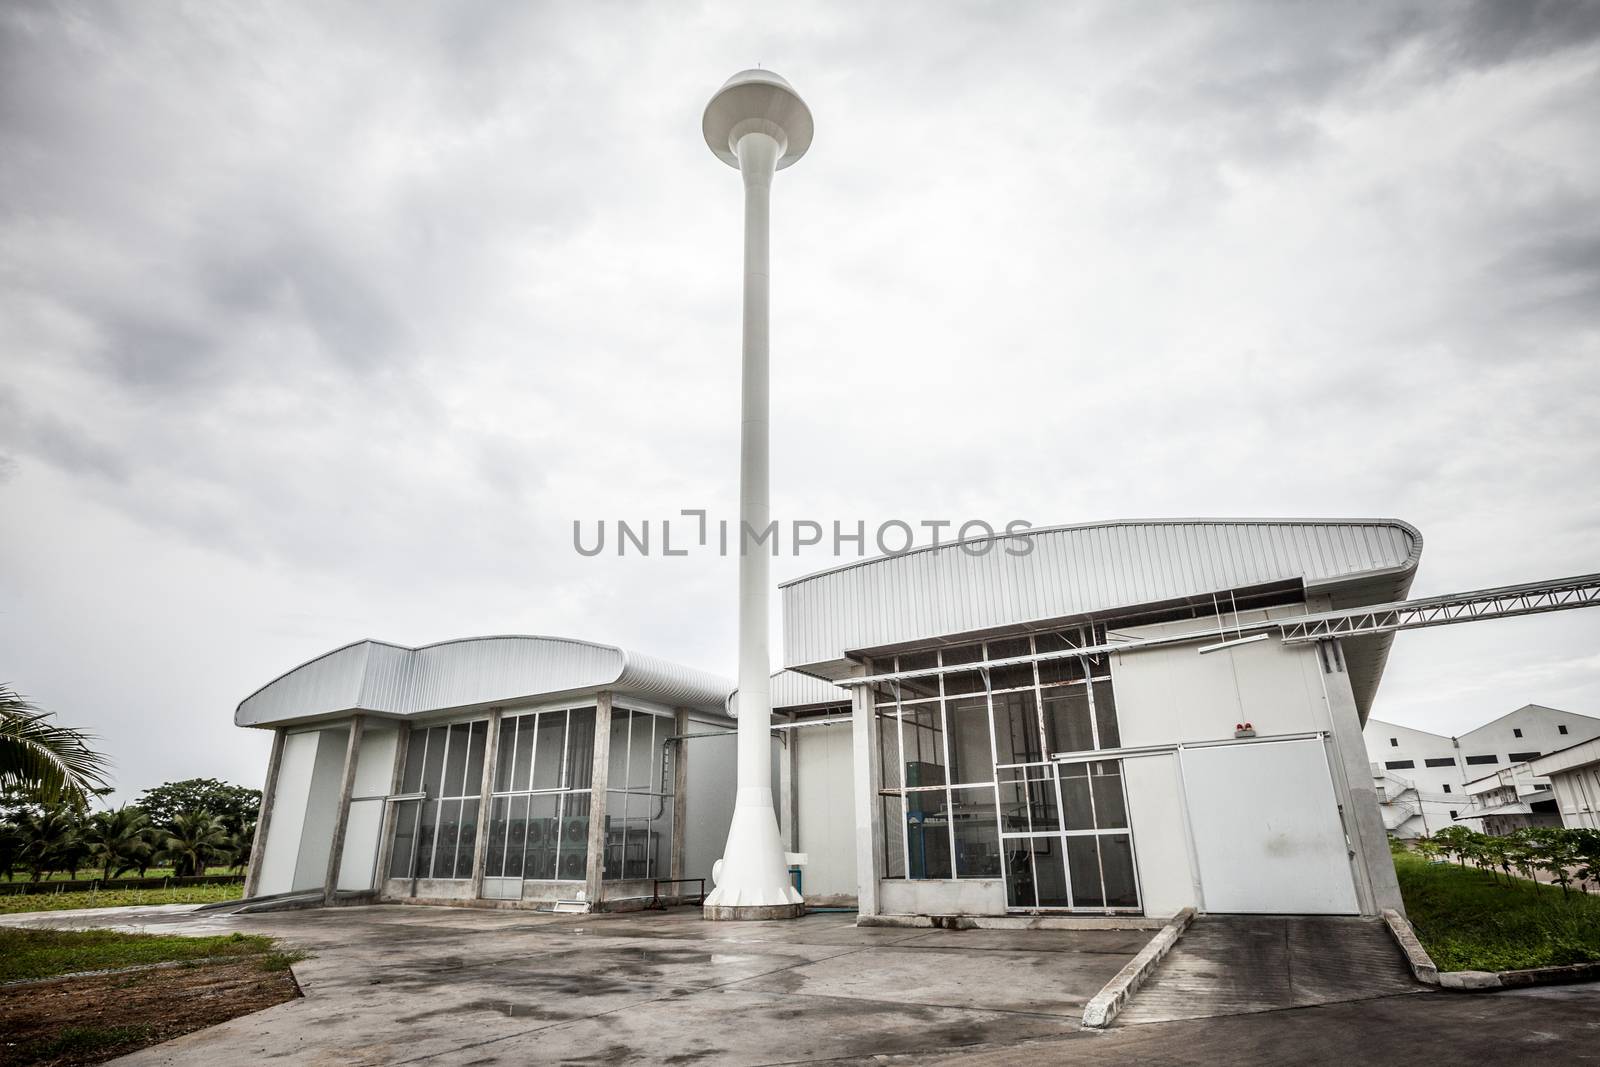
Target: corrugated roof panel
934,592
392,679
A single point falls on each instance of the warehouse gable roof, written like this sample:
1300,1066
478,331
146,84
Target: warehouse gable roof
1093,570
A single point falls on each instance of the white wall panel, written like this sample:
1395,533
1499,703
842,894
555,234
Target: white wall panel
825,809
1161,848
322,809
1266,828
282,846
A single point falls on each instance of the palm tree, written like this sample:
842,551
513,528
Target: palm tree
192,842
50,841
54,763
118,840
239,845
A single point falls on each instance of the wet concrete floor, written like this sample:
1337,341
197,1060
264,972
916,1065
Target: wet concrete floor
393,984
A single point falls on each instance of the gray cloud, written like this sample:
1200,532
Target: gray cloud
325,321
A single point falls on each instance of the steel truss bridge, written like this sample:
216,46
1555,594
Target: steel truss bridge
1530,598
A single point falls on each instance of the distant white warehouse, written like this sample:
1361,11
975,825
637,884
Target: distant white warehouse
1114,719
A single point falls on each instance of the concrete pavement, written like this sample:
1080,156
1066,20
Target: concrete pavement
396,984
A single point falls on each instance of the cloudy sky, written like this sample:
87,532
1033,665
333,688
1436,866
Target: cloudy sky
323,322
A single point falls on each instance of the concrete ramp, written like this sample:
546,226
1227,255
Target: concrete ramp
1234,965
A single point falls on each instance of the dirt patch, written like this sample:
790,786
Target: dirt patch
90,1020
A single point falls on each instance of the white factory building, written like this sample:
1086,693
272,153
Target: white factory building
1574,774
1107,718
1427,781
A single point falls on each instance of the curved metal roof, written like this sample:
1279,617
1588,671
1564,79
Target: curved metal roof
390,679
1092,570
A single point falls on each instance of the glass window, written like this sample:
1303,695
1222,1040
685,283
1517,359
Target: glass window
550,738
1075,797
405,834
539,826
433,762
1116,864
894,836
1110,810
508,743
416,749
1061,671
928,834
1083,864
1016,728
641,754
960,654
543,835
1067,726
473,785
455,760
1035,877
617,765
1108,735
912,661
574,846
1019,676
1442,761
971,758
1009,648
922,742
580,749
977,833
959,682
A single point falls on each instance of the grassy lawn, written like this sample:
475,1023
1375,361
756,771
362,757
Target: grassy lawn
95,1016
1468,921
88,874
119,898
43,953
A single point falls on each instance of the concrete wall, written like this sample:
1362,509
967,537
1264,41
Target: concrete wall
964,896
825,810
1160,843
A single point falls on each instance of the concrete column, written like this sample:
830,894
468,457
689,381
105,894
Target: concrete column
680,794
787,785
491,749
269,792
1376,885
592,884
869,813
396,779
347,785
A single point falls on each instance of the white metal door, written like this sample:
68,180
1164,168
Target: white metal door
1266,829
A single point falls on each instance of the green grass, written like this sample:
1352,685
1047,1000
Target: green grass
42,953
119,898
1469,921
90,874
81,1043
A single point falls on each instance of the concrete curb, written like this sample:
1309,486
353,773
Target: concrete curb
1422,965
1427,971
1107,1004
1012,922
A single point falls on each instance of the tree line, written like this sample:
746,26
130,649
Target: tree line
189,826
51,774
1569,855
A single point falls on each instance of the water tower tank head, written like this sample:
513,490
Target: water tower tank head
749,99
